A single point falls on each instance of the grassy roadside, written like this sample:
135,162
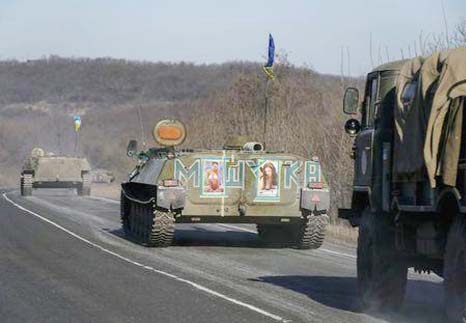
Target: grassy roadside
110,191
340,233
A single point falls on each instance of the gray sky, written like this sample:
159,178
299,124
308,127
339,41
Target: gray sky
312,32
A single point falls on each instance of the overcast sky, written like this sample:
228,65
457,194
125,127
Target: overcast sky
312,32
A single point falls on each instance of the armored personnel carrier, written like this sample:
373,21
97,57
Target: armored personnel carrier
285,195
42,170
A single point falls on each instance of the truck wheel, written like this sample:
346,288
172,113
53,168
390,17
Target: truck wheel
125,206
85,188
310,233
455,271
382,275
26,185
84,191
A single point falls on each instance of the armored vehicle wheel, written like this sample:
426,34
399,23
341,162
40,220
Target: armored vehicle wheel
26,185
310,233
152,228
85,188
382,275
455,271
160,228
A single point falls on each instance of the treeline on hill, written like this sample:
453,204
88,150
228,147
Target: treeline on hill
38,99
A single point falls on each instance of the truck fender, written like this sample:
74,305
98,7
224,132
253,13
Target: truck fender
359,201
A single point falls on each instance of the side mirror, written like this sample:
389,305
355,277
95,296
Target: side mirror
352,127
132,149
351,100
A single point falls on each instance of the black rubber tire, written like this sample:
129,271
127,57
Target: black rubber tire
85,188
382,274
310,233
26,184
160,228
454,271
84,191
151,228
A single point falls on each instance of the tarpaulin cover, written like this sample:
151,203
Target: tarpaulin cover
429,125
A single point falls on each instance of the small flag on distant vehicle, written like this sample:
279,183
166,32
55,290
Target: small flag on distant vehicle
268,68
77,122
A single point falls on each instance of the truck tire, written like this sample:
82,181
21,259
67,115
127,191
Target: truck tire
85,188
382,274
454,271
311,233
26,185
275,235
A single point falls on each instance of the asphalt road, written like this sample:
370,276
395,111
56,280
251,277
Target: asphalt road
63,258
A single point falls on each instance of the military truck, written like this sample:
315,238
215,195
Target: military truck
42,170
409,189
286,196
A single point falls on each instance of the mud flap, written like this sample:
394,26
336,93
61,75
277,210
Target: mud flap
315,200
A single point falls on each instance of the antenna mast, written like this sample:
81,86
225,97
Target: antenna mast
445,20
141,125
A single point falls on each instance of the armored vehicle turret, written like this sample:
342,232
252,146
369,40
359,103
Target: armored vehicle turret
285,195
42,170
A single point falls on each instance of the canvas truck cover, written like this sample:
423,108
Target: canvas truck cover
429,124
408,146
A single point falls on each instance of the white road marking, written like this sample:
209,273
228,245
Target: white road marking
149,268
337,253
228,226
99,198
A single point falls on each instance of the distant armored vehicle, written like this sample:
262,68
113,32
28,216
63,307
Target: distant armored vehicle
409,191
101,176
285,195
42,170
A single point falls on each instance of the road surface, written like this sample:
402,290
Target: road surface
64,258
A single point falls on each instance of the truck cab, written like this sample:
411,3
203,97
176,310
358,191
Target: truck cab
373,134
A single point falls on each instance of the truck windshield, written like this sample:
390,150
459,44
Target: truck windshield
371,97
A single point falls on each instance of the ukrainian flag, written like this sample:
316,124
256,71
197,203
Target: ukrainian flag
77,122
268,68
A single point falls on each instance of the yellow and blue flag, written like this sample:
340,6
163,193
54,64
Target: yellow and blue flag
268,68
77,122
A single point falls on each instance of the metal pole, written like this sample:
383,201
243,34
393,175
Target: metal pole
266,110
141,124
76,143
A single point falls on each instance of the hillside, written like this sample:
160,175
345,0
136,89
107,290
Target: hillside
38,98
